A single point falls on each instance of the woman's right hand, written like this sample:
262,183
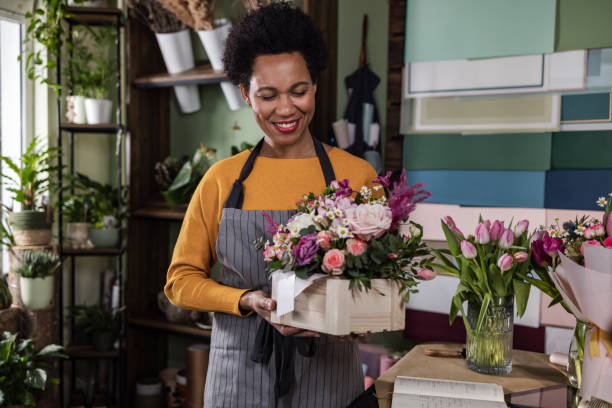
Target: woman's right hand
259,302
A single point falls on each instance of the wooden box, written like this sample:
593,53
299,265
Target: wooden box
329,306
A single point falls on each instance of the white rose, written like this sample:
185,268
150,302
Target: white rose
300,222
369,221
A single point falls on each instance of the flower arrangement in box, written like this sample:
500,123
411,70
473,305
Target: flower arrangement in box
489,265
572,263
353,236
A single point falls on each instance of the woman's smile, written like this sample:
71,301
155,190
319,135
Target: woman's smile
287,126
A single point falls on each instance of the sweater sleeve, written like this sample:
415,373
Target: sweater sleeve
188,281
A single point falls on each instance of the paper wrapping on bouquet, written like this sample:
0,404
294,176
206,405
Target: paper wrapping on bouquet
586,290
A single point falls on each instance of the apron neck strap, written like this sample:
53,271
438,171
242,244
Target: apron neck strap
236,195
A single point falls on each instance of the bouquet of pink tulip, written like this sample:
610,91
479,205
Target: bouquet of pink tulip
353,236
489,265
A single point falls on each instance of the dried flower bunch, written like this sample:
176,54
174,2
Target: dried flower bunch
197,14
255,4
153,15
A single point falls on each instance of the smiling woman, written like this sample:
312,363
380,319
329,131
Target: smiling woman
275,55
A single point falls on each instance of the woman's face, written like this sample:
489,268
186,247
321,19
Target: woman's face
282,96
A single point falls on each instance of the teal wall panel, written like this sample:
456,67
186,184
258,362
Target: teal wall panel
582,150
451,29
586,107
523,189
518,151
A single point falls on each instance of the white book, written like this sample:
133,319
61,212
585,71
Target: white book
416,392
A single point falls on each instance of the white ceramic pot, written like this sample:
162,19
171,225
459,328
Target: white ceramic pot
177,52
98,110
78,107
89,3
214,44
77,234
36,293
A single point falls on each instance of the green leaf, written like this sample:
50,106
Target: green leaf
483,311
521,293
496,280
451,240
52,350
449,270
182,178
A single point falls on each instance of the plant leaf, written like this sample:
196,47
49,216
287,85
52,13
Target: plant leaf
521,293
483,311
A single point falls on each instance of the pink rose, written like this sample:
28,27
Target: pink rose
333,262
591,242
324,239
426,274
593,231
608,242
356,246
269,253
368,221
344,203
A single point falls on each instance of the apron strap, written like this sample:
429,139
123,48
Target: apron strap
236,195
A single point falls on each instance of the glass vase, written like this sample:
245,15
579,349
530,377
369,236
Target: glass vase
489,351
574,365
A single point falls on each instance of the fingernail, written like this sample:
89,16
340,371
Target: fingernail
267,303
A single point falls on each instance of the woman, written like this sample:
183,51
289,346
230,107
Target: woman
275,55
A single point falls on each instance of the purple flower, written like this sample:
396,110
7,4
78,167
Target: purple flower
305,250
551,245
384,181
404,198
342,187
539,256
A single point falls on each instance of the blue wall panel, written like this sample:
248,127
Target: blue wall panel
577,189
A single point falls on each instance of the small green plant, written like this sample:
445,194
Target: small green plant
23,369
45,27
96,319
7,239
243,146
178,187
93,72
37,264
28,179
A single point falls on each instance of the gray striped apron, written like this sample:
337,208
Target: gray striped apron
332,378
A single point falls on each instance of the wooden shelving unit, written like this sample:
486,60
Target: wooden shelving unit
93,15
202,74
87,352
160,211
92,251
83,128
160,324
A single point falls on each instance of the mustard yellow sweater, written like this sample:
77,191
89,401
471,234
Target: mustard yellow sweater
274,184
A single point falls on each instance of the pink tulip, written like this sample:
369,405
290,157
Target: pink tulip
496,230
520,228
468,249
448,220
608,242
482,234
507,239
537,235
505,262
591,242
488,224
426,274
457,231
521,256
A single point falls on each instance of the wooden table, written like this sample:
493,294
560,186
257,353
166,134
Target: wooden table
530,371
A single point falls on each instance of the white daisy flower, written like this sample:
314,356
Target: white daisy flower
318,218
601,201
345,221
344,233
337,212
330,215
376,188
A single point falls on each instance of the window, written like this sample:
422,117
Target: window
11,102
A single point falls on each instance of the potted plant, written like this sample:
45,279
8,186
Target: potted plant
104,325
75,102
23,369
174,42
75,210
29,180
178,178
200,15
85,3
94,72
36,271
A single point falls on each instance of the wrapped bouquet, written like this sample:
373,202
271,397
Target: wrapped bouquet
352,235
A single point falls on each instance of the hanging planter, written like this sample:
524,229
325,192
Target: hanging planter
214,44
177,52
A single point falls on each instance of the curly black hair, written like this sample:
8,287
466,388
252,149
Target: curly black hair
274,29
